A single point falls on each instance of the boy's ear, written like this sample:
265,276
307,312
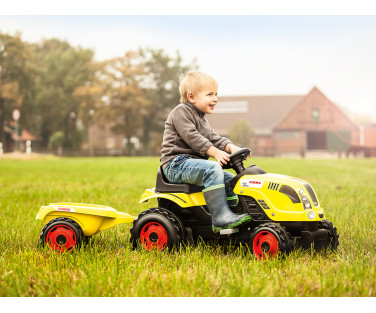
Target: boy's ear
191,98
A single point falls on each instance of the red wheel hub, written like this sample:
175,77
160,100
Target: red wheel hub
153,236
61,238
265,244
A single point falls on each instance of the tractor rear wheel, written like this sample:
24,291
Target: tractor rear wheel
156,229
62,235
332,232
269,239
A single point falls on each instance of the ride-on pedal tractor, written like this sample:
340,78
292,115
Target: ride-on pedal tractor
285,212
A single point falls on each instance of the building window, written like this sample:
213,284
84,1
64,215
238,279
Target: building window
287,134
315,115
110,143
232,107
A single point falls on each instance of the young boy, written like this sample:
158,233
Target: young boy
188,141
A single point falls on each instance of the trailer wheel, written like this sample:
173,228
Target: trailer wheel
62,235
269,239
156,229
332,232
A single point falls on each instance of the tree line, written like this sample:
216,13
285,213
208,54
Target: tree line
60,90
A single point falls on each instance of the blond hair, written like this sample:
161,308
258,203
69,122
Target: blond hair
194,82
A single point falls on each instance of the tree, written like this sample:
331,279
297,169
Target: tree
15,78
161,82
125,100
241,134
89,97
61,70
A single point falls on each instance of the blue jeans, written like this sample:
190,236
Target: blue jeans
184,169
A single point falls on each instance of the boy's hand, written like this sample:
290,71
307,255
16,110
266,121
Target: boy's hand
230,148
221,156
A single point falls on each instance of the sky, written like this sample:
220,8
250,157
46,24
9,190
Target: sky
247,54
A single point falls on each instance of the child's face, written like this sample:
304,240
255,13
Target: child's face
205,100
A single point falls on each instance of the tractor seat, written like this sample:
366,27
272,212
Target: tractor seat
163,185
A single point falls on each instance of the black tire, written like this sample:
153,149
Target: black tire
332,232
86,240
269,239
156,228
62,235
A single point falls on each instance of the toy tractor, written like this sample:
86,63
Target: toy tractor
285,212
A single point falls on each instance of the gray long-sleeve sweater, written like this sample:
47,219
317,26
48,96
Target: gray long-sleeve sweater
187,131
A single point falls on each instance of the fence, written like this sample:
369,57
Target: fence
352,151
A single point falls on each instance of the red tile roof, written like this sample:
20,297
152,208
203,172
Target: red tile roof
264,112
10,127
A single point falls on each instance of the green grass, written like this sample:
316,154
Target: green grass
109,267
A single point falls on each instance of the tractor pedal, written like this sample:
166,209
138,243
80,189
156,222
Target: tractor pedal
228,231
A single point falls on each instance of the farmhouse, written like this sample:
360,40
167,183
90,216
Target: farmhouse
289,124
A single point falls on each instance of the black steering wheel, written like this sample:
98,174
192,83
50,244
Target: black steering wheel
236,160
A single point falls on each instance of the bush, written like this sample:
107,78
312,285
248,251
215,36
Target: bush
56,140
241,134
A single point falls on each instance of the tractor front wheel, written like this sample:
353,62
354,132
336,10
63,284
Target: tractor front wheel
332,232
269,239
61,235
156,229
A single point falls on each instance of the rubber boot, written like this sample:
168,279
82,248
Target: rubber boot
232,202
222,216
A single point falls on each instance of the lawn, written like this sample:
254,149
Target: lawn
109,267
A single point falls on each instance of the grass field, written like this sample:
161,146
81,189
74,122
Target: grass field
109,267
